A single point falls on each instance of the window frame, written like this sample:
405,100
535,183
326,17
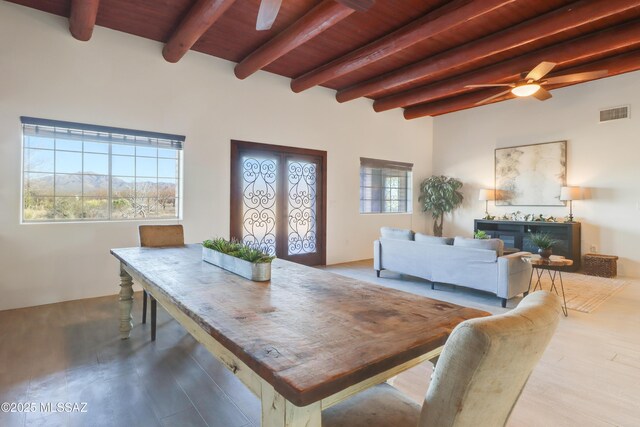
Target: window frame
383,193
111,137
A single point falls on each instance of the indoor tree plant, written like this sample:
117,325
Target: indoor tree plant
544,242
440,195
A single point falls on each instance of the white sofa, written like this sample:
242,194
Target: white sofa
457,262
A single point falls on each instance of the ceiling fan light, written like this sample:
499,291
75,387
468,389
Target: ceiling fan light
526,89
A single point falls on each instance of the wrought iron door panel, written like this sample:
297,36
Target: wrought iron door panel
301,207
259,207
278,200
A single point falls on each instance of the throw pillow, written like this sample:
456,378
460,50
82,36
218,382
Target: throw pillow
493,244
396,233
433,240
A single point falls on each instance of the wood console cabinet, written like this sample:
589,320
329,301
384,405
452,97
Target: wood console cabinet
515,234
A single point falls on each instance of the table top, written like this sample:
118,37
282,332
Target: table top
307,332
553,261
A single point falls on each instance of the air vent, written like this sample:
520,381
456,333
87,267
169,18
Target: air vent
615,113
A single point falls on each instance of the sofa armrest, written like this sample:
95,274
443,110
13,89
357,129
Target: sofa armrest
513,275
377,248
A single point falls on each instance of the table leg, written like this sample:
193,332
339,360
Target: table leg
279,412
558,273
126,303
564,300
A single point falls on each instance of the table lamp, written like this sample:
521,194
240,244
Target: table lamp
486,195
569,194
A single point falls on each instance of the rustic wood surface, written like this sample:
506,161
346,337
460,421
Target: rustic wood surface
308,333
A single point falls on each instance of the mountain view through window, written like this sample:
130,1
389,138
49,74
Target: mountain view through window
83,172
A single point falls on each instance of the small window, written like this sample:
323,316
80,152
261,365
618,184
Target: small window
80,172
385,186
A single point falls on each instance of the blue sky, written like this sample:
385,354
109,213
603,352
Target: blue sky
39,157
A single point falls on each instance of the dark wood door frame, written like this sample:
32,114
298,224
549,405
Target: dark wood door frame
237,148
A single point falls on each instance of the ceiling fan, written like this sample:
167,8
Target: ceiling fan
530,84
269,10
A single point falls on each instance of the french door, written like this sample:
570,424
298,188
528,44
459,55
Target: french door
278,200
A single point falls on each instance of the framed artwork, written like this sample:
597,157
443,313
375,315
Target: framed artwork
531,175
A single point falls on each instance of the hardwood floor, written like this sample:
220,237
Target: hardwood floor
71,352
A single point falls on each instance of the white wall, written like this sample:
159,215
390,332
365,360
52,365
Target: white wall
120,80
601,157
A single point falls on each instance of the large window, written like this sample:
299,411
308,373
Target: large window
385,186
79,172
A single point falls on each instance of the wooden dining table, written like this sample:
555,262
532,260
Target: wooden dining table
301,342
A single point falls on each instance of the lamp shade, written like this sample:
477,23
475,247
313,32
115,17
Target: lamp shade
570,193
486,194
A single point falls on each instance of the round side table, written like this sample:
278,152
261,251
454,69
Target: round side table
554,264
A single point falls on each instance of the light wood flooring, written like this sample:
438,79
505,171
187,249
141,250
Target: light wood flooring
70,352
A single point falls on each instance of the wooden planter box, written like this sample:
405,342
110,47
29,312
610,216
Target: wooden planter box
258,272
600,265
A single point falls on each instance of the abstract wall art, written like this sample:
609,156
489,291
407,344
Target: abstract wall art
531,175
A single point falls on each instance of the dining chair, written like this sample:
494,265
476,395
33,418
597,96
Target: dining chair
477,381
156,236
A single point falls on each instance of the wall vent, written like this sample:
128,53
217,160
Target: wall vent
615,113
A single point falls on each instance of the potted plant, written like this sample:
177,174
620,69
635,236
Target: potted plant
440,195
481,234
544,242
239,258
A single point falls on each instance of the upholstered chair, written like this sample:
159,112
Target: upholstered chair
477,381
156,236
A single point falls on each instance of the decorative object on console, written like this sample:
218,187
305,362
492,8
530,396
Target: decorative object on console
531,175
440,195
486,195
570,194
544,242
481,235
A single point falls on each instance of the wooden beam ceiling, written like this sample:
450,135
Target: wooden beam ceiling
82,18
322,17
200,18
557,21
430,25
579,49
617,64
414,54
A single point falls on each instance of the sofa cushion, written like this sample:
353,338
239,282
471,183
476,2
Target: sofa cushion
433,240
493,244
396,233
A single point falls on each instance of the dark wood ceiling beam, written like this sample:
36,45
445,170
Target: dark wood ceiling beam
444,18
320,18
509,71
199,19
617,64
83,18
559,20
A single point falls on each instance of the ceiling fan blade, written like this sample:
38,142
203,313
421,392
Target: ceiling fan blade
569,78
358,5
541,70
542,94
493,97
491,85
267,14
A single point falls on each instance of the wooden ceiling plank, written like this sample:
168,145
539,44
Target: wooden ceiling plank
322,17
554,22
617,64
198,20
508,71
445,18
82,18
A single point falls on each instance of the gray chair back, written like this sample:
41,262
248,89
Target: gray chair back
486,362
